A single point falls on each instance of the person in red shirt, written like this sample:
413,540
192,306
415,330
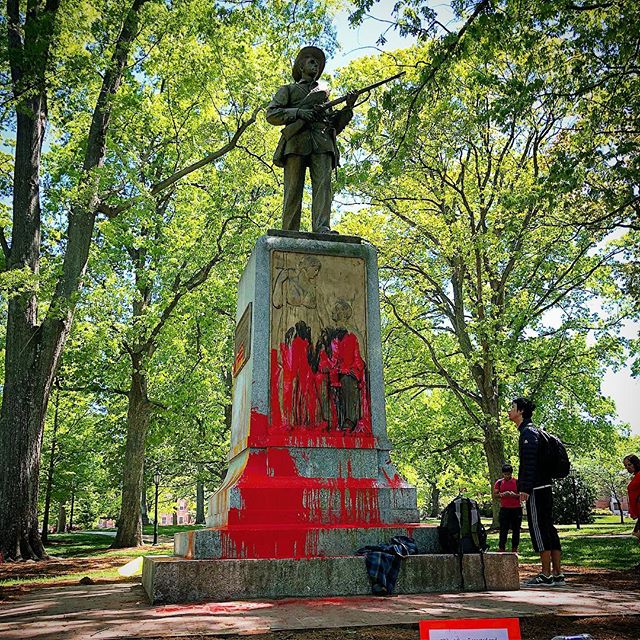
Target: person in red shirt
506,488
632,465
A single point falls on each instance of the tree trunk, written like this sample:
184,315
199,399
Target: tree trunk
435,502
47,498
200,519
32,352
619,503
73,502
494,450
62,519
23,405
21,427
138,416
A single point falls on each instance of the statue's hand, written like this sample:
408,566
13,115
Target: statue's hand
306,113
351,98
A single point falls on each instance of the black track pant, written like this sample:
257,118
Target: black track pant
544,536
510,518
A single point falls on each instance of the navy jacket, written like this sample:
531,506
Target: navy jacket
531,473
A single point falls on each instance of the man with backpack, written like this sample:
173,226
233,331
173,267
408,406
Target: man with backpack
534,480
510,517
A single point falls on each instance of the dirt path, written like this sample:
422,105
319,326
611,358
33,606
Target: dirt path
534,627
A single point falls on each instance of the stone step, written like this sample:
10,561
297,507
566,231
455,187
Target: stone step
171,580
296,541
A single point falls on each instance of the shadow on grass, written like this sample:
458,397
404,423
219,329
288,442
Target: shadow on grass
77,545
87,545
171,530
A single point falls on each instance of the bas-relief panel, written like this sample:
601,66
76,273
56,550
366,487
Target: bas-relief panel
241,383
318,373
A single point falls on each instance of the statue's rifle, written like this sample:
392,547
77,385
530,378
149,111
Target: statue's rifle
295,127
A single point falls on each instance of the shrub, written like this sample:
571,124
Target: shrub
564,509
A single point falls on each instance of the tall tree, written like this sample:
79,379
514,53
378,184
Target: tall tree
34,345
465,195
73,66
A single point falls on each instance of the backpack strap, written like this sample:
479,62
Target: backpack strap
473,523
484,577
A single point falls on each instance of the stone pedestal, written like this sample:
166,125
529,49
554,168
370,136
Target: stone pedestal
309,469
310,479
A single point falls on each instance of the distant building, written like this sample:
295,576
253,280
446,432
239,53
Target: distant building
180,515
106,523
613,505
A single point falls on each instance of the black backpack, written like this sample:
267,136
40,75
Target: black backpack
461,529
552,455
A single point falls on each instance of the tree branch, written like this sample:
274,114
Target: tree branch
112,212
449,49
197,279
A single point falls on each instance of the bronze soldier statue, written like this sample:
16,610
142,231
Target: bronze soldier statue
308,139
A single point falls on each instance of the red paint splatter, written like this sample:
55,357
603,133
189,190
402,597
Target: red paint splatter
306,378
343,359
275,511
276,370
281,514
396,482
258,429
216,608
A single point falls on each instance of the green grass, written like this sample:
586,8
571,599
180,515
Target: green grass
170,530
72,578
88,545
77,545
584,547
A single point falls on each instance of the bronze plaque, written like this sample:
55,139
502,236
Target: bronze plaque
242,341
319,343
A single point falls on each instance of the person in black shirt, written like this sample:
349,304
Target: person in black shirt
534,484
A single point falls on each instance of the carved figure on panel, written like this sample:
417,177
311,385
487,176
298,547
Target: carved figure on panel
295,292
318,367
339,359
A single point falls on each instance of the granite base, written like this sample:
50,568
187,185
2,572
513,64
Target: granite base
173,580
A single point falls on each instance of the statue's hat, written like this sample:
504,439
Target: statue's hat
305,52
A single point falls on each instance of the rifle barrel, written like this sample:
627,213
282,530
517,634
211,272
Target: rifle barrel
333,103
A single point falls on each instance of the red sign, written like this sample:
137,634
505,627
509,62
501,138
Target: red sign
472,629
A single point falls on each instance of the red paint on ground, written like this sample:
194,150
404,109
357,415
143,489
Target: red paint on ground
214,608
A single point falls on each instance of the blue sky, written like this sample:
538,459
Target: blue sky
362,41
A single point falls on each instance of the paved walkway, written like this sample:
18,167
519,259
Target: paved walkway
121,610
